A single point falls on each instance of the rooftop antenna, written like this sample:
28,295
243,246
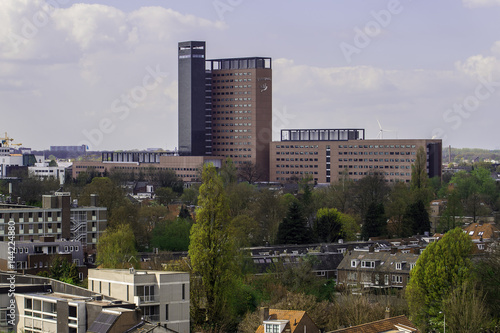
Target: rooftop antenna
381,131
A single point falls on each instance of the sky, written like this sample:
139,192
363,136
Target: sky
104,73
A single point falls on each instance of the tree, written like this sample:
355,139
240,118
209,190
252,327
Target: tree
165,195
172,236
211,249
396,206
375,224
116,247
327,226
419,177
476,190
417,219
110,195
62,270
443,266
228,172
293,228
465,309
369,190
249,172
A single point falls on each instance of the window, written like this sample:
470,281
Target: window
399,266
166,312
368,264
354,263
471,233
397,279
183,291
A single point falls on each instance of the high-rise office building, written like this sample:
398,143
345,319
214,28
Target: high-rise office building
225,106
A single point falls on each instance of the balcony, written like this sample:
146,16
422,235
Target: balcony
140,300
152,318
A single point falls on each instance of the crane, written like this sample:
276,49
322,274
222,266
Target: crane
7,142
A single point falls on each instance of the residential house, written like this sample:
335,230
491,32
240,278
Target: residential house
32,257
382,269
286,321
399,324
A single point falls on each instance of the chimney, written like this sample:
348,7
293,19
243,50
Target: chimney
371,248
387,313
264,313
394,250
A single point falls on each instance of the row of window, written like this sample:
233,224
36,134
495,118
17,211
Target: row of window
373,166
235,74
297,159
296,166
288,178
297,172
394,160
231,118
231,124
232,106
232,93
296,146
377,146
297,153
232,149
233,137
376,153
232,87
232,99
231,112
231,131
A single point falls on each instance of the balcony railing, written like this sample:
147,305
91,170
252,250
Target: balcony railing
149,298
152,318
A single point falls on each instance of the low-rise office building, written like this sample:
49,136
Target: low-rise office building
57,218
31,304
185,167
326,156
162,296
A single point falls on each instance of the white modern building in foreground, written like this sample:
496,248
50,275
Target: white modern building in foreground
162,296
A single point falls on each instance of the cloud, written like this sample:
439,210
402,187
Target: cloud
480,3
415,102
63,68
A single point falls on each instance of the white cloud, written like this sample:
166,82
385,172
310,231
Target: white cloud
69,69
480,3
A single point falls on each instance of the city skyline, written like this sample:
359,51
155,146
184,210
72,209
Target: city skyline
104,73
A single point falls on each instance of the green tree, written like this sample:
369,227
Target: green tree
165,196
375,224
443,266
62,270
395,208
116,247
211,250
417,219
293,228
419,177
190,196
110,194
328,226
172,236
465,309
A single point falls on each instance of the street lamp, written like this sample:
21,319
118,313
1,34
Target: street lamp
444,320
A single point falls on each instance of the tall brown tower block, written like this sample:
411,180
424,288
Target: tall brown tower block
237,107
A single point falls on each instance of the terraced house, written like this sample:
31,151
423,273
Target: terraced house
370,269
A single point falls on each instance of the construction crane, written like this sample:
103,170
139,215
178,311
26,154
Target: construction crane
7,142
